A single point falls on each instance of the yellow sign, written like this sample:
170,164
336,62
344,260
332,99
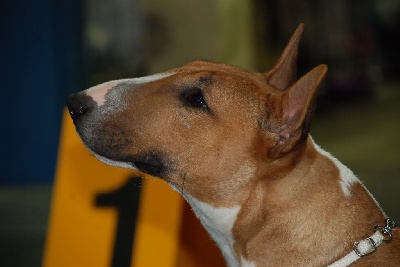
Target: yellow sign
104,216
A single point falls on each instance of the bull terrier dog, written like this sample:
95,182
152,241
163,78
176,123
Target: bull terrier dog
236,145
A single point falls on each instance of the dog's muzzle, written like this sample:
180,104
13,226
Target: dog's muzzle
108,141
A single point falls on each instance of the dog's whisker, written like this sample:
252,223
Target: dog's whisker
152,179
143,181
183,183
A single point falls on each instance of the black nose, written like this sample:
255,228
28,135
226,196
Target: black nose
78,104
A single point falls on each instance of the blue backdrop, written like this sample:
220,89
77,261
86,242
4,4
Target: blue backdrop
41,63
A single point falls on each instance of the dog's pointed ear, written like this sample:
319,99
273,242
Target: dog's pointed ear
293,122
283,74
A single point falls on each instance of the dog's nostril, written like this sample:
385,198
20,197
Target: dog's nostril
76,112
78,104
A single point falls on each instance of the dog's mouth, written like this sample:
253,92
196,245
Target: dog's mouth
150,163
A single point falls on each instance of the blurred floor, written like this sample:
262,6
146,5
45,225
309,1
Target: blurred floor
364,136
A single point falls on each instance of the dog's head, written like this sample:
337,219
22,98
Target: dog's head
205,128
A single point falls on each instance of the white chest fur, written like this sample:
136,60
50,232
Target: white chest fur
219,223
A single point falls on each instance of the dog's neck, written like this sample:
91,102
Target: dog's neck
219,223
313,213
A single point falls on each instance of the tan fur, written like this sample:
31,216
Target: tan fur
295,219
251,148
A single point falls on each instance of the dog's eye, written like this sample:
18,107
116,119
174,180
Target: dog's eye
194,98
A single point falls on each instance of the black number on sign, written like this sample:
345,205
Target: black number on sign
126,200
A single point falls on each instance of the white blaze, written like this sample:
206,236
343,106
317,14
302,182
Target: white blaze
99,92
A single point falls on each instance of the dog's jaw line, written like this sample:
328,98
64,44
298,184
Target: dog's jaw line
120,164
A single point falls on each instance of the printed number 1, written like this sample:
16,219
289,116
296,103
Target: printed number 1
126,200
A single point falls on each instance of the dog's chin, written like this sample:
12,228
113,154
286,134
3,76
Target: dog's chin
115,163
147,164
